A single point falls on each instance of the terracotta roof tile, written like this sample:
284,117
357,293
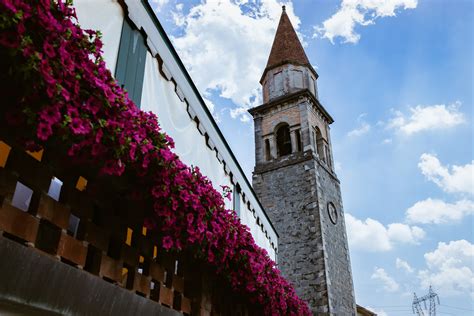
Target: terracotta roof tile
286,45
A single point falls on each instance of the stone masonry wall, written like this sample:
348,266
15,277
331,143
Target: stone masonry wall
295,191
289,196
313,252
338,266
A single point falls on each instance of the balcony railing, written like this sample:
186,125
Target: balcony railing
85,223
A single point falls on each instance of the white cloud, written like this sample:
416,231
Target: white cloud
389,284
359,131
159,4
337,166
454,179
431,117
402,233
225,45
363,127
359,12
371,235
387,141
459,179
434,211
240,112
212,108
402,264
450,268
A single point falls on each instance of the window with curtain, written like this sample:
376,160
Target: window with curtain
130,68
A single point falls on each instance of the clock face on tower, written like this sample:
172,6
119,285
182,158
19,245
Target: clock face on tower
332,213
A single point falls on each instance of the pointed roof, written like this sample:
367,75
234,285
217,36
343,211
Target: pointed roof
286,46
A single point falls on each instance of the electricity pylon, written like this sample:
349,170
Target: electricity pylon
416,306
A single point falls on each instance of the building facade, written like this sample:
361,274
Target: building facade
295,180
69,253
140,55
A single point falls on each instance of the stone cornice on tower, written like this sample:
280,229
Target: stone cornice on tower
286,48
290,97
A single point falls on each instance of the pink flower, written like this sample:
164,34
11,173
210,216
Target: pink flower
50,114
167,242
44,130
174,204
113,168
167,155
97,150
226,192
49,49
132,151
51,90
74,150
72,111
98,135
210,256
9,5
79,126
190,218
170,141
66,95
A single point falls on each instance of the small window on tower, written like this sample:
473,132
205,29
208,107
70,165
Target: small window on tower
283,140
297,79
278,82
328,156
299,145
267,150
320,144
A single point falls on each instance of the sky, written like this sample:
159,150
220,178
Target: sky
397,77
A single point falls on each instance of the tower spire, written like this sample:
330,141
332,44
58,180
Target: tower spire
286,46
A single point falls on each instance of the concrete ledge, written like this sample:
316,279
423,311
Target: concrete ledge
32,282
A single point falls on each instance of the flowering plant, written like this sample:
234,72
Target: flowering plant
57,91
226,192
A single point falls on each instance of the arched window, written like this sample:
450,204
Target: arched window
267,149
320,144
283,140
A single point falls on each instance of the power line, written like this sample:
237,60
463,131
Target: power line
416,305
460,308
441,305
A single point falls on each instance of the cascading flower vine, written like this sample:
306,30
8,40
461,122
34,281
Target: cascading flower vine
57,91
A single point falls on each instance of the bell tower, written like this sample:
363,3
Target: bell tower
295,181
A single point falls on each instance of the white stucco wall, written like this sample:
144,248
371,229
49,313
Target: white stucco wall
159,97
106,16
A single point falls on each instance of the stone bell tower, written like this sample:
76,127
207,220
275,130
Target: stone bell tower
295,181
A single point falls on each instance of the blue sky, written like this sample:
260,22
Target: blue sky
397,76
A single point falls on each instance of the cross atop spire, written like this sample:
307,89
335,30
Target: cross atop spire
286,46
